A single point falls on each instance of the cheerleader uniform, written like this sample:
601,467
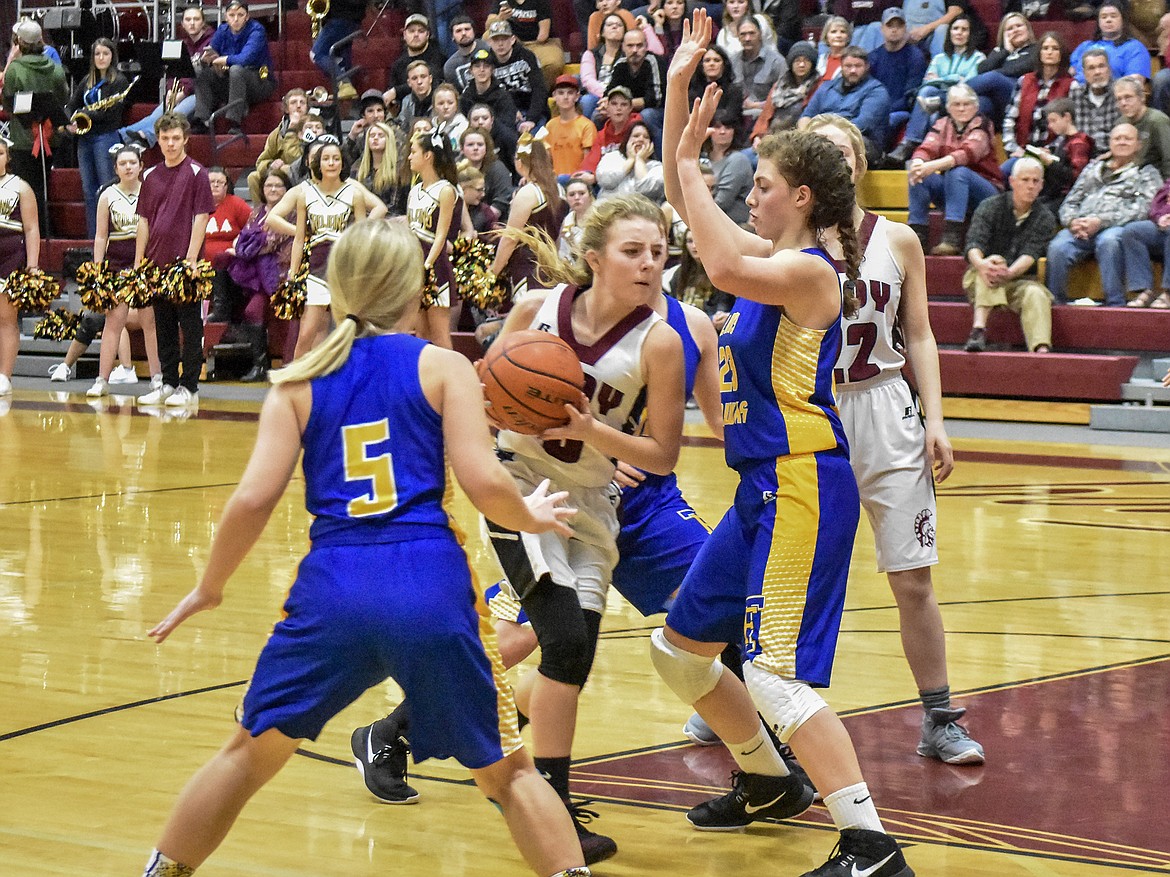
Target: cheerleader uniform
521,267
12,251
326,217
422,212
123,231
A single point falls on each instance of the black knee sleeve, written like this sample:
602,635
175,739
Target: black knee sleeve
88,328
567,633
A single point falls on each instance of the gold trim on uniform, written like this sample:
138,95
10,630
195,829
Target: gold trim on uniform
795,354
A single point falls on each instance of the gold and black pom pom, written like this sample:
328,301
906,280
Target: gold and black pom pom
31,289
58,325
95,286
431,292
138,287
288,302
185,284
472,264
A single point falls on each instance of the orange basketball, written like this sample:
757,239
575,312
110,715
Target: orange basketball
528,377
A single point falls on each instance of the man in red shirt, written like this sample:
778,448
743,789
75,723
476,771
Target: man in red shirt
619,110
173,207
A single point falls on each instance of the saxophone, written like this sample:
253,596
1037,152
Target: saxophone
82,118
317,10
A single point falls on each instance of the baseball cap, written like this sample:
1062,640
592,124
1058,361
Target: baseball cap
481,55
371,96
566,80
499,29
417,19
622,90
892,13
28,31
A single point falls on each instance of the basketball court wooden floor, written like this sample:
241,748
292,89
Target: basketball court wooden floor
1053,580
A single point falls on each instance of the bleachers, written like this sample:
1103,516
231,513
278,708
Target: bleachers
1097,348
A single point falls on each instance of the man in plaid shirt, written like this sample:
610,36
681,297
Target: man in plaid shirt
1109,193
1094,110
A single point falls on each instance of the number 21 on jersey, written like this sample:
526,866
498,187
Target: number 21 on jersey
360,466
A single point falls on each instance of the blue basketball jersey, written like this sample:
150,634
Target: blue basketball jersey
676,318
776,384
374,448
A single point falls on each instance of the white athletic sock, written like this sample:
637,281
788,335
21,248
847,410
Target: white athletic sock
580,871
759,755
164,866
852,807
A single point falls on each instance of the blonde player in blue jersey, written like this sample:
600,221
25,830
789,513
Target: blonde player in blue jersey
385,589
778,562
894,451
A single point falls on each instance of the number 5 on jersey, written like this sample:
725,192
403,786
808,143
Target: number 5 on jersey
379,470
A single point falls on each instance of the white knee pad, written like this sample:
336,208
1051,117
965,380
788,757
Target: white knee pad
784,704
690,676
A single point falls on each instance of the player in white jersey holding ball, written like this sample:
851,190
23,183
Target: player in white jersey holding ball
893,449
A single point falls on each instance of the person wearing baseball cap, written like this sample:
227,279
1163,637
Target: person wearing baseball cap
236,71
900,67
416,39
866,16
519,72
570,134
31,70
530,21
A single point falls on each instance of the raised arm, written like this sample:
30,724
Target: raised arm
274,457
686,60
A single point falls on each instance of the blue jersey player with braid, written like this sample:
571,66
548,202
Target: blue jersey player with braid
776,566
385,590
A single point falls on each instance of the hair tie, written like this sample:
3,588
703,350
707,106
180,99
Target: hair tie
357,321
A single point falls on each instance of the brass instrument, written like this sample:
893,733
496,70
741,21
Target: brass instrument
173,96
81,119
317,10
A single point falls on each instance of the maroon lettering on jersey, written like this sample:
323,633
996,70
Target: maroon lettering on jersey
606,397
879,291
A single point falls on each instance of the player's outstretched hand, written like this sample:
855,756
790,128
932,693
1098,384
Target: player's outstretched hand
695,39
196,601
549,510
626,475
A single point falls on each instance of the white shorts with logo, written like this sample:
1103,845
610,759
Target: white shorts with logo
583,563
887,449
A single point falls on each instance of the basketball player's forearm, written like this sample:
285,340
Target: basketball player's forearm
922,352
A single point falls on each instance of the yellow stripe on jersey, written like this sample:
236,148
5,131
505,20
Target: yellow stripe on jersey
509,727
795,357
790,562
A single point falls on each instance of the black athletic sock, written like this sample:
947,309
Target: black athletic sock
556,771
395,725
936,698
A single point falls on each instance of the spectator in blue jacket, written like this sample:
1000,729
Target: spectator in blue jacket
899,66
1127,55
858,97
236,71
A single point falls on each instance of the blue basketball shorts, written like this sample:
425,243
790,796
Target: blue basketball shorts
659,539
773,573
358,614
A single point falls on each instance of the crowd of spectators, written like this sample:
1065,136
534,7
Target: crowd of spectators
918,79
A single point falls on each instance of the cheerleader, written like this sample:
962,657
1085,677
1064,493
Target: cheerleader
326,204
20,246
117,229
431,209
536,205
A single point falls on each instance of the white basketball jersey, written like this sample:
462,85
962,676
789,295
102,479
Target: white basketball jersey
868,347
614,383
